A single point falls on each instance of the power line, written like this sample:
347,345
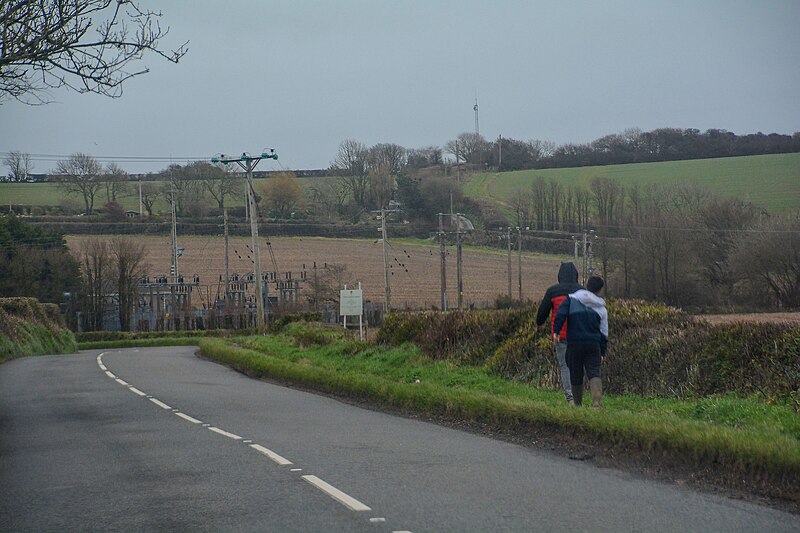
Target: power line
109,158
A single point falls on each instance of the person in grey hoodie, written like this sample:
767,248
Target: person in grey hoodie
587,337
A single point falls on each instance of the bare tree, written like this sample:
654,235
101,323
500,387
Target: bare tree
19,165
541,149
80,174
85,45
96,277
150,193
178,186
324,286
520,204
328,197
469,147
352,160
390,157
128,264
609,196
216,181
769,260
116,182
727,221
424,157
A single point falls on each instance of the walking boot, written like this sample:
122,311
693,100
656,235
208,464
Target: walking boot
577,394
596,386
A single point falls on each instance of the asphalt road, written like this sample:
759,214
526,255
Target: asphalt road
155,439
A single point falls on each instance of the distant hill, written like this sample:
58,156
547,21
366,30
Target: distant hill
771,182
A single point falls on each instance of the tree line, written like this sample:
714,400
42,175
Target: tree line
37,263
681,245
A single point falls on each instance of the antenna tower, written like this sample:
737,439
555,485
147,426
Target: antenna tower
475,108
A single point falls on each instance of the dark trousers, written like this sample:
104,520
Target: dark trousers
580,357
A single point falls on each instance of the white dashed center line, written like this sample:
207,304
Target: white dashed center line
272,455
189,418
225,433
160,404
346,500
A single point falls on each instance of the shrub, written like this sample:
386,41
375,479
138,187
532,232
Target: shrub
465,336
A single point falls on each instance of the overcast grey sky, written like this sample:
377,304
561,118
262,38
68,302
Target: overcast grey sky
301,76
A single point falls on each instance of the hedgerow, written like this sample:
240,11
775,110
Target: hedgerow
654,350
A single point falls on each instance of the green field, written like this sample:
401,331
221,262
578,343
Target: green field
48,194
769,181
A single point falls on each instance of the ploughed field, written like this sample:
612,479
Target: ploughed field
415,267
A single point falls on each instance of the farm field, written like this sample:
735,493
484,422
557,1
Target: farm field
769,181
48,194
415,268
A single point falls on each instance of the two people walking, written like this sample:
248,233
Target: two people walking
579,325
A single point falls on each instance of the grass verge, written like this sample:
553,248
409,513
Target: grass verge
139,343
734,443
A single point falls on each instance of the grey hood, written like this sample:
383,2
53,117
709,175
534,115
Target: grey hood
596,304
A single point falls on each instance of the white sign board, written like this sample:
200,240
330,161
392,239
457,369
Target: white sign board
350,302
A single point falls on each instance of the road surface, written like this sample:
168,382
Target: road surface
155,439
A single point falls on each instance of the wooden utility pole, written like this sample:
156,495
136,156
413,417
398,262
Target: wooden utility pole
508,243
227,274
519,260
174,233
442,253
387,303
499,153
459,276
248,163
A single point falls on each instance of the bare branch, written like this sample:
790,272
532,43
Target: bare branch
85,45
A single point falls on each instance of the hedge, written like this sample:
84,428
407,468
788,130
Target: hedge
654,350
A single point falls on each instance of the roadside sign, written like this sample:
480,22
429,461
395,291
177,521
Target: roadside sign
351,302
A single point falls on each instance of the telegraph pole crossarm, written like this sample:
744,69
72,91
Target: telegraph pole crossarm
248,163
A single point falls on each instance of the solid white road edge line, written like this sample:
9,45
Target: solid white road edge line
225,433
189,418
160,404
272,455
136,391
346,500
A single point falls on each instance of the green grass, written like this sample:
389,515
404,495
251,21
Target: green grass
48,194
769,181
36,339
139,343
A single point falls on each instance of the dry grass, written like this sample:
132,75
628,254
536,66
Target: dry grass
415,278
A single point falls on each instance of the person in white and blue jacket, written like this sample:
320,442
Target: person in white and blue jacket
587,337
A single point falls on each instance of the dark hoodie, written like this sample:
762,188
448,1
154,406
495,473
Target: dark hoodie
567,284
